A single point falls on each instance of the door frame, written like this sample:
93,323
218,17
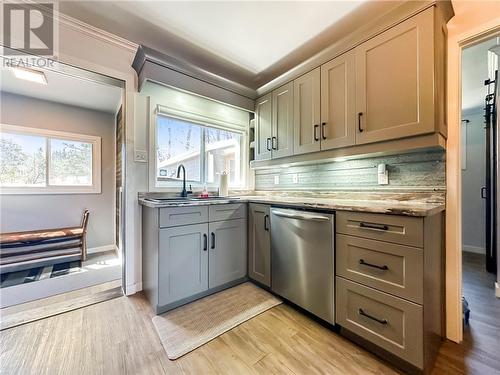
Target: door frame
470,34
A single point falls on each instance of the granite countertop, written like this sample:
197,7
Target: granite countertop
417,204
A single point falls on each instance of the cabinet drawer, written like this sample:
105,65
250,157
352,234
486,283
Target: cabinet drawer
392,268
393,324
219,212
390,228
175,216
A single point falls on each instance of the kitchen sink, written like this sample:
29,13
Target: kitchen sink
189,200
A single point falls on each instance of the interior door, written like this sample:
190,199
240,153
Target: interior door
282,120
228,252
394,87
183,262
306,112
263,125
338,97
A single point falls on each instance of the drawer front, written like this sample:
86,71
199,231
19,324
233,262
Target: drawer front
393,324
220,212
175,216
390,228
395,269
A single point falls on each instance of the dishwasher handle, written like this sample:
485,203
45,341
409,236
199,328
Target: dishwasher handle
301,216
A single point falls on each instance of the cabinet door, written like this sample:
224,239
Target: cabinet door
282,129
228,252
306,112
263,123
394,88
259,244
183,262
338,107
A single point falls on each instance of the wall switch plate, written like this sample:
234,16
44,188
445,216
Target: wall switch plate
141,156
276,180
382,174
295,178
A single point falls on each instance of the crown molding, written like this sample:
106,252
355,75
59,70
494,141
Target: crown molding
84,28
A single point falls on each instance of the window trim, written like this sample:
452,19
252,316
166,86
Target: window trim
95,188
174,185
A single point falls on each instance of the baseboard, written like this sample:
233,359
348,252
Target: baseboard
133,288
101,249
473,249
497,290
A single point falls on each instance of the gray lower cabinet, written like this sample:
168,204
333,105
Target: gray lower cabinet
259,244
228,252
183,262
185,259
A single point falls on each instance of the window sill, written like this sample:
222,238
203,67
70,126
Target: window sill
50,191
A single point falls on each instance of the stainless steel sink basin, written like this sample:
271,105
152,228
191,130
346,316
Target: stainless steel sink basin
178,201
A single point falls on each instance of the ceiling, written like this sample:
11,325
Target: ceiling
474,73
249,42
65,89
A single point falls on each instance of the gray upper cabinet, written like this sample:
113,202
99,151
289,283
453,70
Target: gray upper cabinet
306,112
263,124
395,81
183,262
228,251
282,121
338,107
259,244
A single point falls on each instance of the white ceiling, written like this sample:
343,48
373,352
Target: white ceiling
474,73
64,89
250,42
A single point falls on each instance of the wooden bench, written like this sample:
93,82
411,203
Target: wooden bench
30,247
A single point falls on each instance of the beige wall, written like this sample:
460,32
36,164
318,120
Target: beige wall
39,211
472,18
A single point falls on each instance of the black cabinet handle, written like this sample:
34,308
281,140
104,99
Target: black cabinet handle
205,242
374,226
359,122
268,144
381,321
266,223
213,240
274,143
323,132
316,138
484,192
383,268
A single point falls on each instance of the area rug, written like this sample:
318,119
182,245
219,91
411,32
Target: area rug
193,325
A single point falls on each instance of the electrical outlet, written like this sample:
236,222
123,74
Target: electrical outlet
295,178
276,180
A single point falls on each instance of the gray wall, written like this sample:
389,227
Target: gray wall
473,178
416,171
28,212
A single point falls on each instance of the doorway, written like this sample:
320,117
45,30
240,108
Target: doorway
479,164
63,151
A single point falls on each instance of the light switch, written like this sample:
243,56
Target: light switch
295,178
276,180
382,174
141,156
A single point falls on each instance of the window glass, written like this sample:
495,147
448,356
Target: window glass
70,163
222,154
22,160
178,142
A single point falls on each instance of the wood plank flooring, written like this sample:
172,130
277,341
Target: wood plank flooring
480,351
117,337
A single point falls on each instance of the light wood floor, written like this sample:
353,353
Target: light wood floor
117,337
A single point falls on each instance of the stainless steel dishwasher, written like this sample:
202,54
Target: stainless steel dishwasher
302,263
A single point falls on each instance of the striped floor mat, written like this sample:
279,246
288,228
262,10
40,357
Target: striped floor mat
38,273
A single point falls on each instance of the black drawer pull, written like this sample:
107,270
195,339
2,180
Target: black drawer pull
383,268
268,144
359,122
316,138
381,321
205,242
213,241
266,222
374,226
274,143
323,132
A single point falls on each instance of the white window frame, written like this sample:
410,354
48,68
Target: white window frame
174,185
95,188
